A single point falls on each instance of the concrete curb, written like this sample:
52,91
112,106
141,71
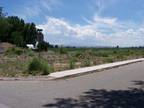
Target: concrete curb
80,71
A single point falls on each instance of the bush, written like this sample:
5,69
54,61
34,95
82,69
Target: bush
87,62
14,50
45,67
101,54
62,50
80,55
43,46
109,60
72,64
39,66
29,52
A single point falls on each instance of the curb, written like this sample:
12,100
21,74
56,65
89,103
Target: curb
86,70
34,78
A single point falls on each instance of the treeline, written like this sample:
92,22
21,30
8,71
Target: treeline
16,31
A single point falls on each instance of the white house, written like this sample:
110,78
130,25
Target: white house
31,46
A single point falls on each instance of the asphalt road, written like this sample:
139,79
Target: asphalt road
115,88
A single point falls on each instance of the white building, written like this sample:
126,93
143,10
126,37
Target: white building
31,46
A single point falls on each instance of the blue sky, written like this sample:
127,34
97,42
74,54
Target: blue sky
84,22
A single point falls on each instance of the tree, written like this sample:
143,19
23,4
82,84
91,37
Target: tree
17,39
29,33
33,33
43,46
4,29
17,24
14,30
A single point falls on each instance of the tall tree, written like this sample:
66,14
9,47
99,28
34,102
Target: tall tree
18,39
4,30
16,31
29,33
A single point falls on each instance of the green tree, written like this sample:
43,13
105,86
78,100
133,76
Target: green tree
14,30
29,33
17,39
4,29
43,46
17,24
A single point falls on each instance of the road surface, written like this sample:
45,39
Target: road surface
115,88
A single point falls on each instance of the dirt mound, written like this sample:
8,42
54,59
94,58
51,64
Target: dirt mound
4,46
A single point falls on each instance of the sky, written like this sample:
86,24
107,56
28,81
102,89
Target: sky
84,22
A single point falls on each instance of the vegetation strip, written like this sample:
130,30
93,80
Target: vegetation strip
70,73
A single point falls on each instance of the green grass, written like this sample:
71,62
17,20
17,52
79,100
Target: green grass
17,61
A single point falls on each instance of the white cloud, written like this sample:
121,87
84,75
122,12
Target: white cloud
109,21
34,8
100,32
101,5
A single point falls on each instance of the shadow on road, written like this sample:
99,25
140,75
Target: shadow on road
131,98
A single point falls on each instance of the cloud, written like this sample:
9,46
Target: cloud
35,8
98,32
101,5
109,21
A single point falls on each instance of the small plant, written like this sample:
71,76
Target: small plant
34,64
30,52
72,64
39,66
114,52
14,50
62,50
80,55
101,54
45,67
109,60
87,62
120,57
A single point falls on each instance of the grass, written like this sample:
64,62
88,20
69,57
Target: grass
16,61
72,63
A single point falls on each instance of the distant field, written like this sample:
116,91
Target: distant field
15,61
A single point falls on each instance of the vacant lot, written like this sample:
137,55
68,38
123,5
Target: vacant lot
15,61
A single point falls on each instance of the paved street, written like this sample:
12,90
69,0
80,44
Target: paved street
108,89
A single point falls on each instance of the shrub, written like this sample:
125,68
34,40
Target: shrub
114,52
109,60
72,64
39,66
14,50
79,55
18,51
29,52
45,67
101,54
87,62
43,46
62,50
120,57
